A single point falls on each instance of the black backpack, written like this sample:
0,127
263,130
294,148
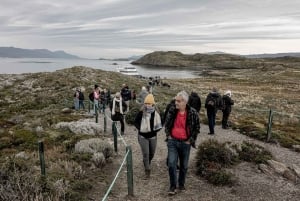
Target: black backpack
212,102
91,96
81,96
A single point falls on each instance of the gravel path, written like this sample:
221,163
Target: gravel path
252,183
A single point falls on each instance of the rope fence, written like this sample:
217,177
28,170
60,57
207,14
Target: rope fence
96,109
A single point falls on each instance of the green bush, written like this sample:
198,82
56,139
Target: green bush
211,157
251,152
25,139
220,177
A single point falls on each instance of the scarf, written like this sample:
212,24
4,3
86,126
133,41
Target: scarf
113,112
145,123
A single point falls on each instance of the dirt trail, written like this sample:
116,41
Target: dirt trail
252,184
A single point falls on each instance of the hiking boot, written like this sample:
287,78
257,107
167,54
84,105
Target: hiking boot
181,188
172,190
147,174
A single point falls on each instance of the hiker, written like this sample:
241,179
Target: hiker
212,103
117,108
226,108
148,123
141,96
126,95
76,99
195,101
96,97
81,99
182,126
133,95
170,104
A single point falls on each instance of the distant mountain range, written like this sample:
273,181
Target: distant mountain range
275,55
131,58
290,54
12,52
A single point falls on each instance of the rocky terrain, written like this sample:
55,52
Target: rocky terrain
38,106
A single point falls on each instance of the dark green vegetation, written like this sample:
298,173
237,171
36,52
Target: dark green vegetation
31,104
212,157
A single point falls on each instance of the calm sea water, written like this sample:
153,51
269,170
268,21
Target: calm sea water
30,65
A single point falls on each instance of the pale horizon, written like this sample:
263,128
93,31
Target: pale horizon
123,28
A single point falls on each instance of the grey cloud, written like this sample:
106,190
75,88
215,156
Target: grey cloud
126,24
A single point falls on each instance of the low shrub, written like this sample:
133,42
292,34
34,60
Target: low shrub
251,152
211,157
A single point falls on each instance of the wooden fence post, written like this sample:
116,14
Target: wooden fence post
269,130
42,158
129,171
105,123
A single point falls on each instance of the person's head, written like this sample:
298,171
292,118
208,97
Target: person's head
149,101
214,89
144,88
118,95
228,93
181,100
96,86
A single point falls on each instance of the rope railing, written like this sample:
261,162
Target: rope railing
127,157
101,108
116,176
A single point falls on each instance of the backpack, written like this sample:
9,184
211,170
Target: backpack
223,107
81,96
211,103
91,96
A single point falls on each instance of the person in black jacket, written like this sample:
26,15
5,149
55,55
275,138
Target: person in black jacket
226,109
195,101
148,123
213,102
81,99
126,95
182,126
117,107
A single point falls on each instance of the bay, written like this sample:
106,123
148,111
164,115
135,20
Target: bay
34,65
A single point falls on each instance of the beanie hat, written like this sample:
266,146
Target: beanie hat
149,99
228,92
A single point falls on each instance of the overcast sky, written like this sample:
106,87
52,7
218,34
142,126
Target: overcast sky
122,28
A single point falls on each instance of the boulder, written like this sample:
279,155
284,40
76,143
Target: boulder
81,127
265,169
296,169
278,167
22,155
66,110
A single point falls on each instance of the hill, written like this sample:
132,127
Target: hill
26,119
177,59
289,54
213,60
12,52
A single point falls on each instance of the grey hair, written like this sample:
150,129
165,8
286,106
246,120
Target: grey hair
184,95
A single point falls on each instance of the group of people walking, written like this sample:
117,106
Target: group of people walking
181,125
